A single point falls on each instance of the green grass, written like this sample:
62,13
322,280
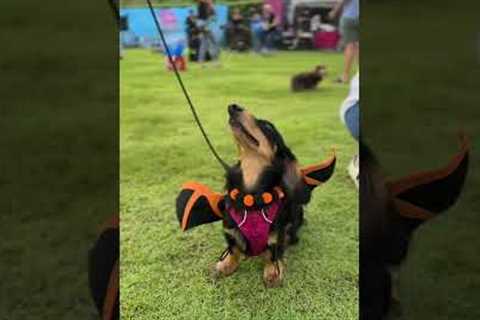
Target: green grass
59,145
164,272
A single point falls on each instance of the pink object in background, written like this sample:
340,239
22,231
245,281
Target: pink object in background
168,19
326,40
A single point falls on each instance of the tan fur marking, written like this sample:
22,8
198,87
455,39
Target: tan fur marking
271,275
253,158
230,264
252,165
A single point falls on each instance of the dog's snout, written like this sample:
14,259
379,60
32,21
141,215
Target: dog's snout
234,109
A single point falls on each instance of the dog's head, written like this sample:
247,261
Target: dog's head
257,138
321,70
261,145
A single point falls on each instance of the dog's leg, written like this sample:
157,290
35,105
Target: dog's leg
229,263
274,270
293,228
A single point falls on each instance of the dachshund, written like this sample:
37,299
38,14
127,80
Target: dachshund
261,207
266,195
308,80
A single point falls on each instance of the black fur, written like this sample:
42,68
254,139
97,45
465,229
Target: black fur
101,260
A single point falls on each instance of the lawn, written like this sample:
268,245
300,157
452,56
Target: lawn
164,272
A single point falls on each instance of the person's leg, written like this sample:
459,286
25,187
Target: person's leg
213,48
352,121
269,38
350,56
262,38
257,37
295,41
350,35
202,50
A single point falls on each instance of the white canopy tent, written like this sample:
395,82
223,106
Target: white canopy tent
292,4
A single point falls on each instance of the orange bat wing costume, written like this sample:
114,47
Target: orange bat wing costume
197,204
422,195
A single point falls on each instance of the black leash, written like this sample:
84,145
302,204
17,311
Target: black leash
179,79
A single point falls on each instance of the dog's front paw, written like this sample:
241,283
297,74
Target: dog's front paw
227,266
273,275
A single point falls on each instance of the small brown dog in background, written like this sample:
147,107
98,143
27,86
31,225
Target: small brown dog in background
308,80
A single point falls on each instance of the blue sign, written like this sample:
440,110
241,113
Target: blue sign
142,30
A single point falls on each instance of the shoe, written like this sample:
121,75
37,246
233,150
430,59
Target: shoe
353,170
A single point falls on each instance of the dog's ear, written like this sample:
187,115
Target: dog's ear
197,205
291,173
291,176
315,175
422,195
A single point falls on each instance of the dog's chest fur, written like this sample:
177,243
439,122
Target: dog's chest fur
253,176
250,170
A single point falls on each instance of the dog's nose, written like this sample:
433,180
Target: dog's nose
233,109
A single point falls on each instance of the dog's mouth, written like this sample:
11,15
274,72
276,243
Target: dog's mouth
237,126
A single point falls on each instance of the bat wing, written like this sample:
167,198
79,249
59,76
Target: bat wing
423,195
315,175
197,205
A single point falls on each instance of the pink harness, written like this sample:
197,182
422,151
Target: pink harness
254,224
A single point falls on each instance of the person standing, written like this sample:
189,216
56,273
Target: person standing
208,44
349,30
264,29
191,26
269,27
237,33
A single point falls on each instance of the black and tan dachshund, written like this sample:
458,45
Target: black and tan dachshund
266,194
261,207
